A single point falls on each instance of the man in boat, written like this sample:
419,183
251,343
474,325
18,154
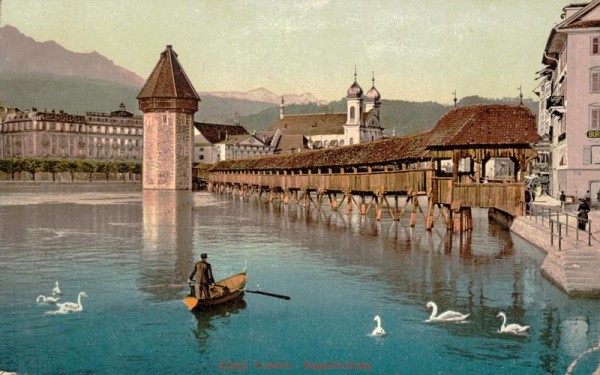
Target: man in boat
204,277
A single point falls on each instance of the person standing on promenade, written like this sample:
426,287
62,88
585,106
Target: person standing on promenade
582,216
204,277
562,199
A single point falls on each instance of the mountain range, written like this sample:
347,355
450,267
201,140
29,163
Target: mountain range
46,75
261,94
20,54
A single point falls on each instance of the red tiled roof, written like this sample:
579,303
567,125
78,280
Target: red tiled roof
265,136
168,80
216,133
288,142
485,125
311,124
482,125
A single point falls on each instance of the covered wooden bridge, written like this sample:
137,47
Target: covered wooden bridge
474,157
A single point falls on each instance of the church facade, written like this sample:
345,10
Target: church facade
360,123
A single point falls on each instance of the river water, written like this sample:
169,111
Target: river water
131,251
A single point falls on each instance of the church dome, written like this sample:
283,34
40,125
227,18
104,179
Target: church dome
373,95
355,91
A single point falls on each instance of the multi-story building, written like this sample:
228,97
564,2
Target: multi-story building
50,134
569,115
360,123
117,136
216,142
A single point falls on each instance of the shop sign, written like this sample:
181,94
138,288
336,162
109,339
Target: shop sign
593,134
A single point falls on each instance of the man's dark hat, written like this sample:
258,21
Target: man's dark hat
203,256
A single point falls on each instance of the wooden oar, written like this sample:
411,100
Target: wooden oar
268,294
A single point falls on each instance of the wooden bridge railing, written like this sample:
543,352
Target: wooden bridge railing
376,182
507,197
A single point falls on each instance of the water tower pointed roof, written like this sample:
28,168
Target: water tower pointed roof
168,81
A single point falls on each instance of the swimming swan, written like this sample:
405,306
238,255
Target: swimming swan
511,328
378,331
44,299
56,290
67,307
448,316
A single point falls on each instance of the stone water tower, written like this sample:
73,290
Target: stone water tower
169,102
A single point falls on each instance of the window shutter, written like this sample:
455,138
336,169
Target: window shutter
595,118
595,83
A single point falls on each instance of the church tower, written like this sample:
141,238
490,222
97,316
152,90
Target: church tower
354,103
373,97
169,102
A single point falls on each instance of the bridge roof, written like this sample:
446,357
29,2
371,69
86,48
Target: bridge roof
485,125
382,151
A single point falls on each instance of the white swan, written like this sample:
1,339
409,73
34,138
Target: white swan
56,289
448,316
67,307
511,328
378,331
44,299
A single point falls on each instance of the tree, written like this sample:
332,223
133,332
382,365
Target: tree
9,166
89,167
32,166
73,166
51,166
107,168
137,168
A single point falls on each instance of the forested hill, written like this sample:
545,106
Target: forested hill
402,116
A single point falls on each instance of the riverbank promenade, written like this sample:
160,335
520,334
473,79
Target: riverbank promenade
573,255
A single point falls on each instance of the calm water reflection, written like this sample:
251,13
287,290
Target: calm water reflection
132,252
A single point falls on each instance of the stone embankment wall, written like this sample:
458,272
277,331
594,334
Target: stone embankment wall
69,177
574,267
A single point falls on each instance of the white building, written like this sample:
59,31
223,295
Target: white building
113,136
216,142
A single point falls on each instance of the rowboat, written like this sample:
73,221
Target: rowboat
223,291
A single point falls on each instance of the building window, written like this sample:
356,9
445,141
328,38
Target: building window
352,114
596,45
595,154
595,80
587,156
595,117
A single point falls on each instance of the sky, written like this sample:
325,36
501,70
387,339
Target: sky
419,50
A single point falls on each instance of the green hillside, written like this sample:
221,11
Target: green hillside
402,116
71,94
79,95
